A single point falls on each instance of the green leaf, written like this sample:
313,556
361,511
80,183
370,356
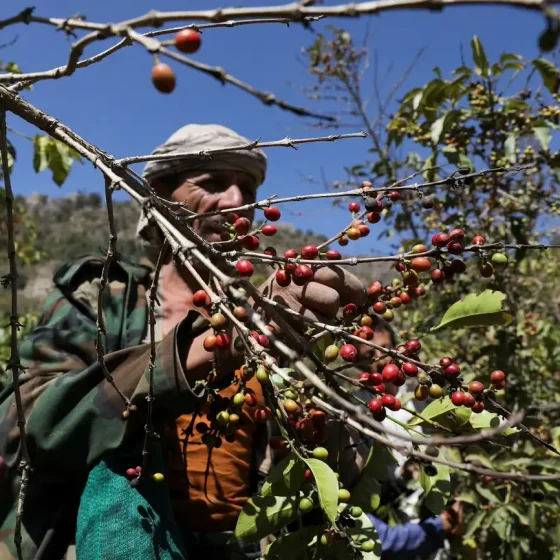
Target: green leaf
549,73
327,487
263,515
487,494
510,57
366,493
456,157
444,412
509,146
442,124
487,419
544,136
437,488
40,158
293,545
479,57
474,524
286,478
482,310
500,522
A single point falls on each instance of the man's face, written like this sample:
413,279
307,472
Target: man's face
215,190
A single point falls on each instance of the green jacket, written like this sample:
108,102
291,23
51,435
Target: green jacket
74,415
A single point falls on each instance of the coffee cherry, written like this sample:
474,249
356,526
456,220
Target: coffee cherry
201,299
432,451
343,495
131,473
250,242
350,311
262,375
440,239
455,247
272,213
222,340
269,230
158,477
343,241
242,226
478,240
396,302
309,252
410,278
238,399
354,207
499,386
478,407
187,41
410,369
413,346
497,376
499,260
421,392
420,264
302,274
218,321
283,278
388,400
427,202
400,267
333,255
163,78
486,270
379,307
223,418
430,470
373,205
405,298
250,399
458,266
476,387
366,333
376,378
262,415
457,234
245,268
375,405
420,248
394,196
452,370
240,313
365,378
373,217
331,353
263,341
436,391
348,353
469,400
290,405
305,505
356,512
364,230
390,373
438,276
367,546
209,343
458,398
445,362
320,453
353,233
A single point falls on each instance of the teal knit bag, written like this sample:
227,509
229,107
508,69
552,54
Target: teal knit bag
118,522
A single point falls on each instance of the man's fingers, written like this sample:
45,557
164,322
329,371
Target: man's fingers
350,287
320,297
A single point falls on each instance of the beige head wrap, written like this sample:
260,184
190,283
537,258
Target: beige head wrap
194,138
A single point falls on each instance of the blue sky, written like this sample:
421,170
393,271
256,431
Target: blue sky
113,104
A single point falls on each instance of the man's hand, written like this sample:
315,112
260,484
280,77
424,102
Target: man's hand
322,297
453,518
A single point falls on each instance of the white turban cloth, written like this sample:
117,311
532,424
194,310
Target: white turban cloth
194,138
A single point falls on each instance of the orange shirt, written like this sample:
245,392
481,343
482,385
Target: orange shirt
227,480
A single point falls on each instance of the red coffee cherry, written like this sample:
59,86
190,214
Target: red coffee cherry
364,230
250,242
390,373
455,247
458,398
438,276
375,405
478,240
410,369
163,78
413,345
388,400
302,274
188,41
379,307
269,230
452,370
497,376
270,251
242,226
283,278
245,268
420,264
445,362
348,353
354,207
469,400
476,387
333,255
201,299
373,217
440,239
394,196
272,213
309,252
457,234
376,378
478,407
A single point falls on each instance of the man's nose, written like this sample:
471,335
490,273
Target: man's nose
230,198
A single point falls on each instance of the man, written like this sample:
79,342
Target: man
82,437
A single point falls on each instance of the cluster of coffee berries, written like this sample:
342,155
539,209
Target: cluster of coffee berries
220,339
163,78
385,299
299,274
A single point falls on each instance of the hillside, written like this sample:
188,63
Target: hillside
77,224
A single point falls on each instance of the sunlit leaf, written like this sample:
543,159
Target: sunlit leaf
327,487
285,478
479,56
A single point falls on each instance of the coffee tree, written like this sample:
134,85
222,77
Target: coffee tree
466,327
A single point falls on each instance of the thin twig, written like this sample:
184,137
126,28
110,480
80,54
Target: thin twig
14,362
